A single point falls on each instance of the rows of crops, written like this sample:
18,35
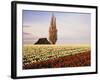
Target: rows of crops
36,53
77,60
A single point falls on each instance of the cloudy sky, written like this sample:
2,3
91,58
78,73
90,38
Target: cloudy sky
73,28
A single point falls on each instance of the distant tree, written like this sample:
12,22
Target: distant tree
53,30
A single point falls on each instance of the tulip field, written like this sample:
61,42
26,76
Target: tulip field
55,56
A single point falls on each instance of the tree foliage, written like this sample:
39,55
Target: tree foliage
53,31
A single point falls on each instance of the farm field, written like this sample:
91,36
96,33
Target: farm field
55,56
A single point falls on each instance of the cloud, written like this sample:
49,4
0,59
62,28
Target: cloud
25,33
26,26
29,38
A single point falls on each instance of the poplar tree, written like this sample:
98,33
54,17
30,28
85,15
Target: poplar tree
53,30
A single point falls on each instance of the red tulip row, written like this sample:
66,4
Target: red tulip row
76,60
